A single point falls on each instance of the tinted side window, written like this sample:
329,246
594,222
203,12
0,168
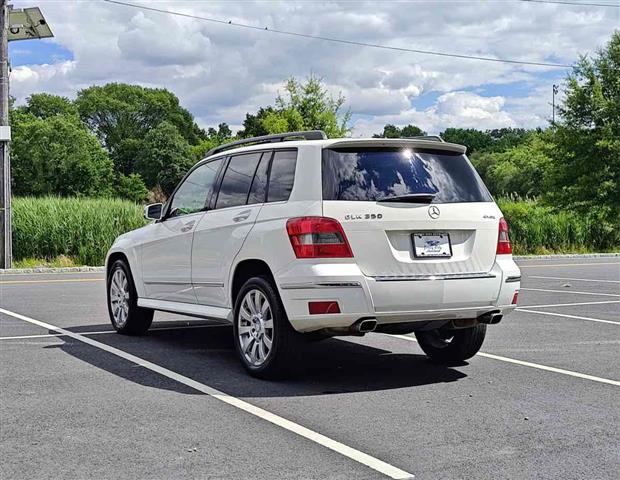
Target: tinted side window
259,184
282,175
237,180
195,189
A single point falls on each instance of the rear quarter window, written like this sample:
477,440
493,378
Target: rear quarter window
282,175
371,174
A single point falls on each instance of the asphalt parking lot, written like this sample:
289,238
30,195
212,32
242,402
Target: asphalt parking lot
542,401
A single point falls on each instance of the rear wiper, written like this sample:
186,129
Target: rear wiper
411,198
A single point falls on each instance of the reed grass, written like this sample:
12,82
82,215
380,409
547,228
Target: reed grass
82,229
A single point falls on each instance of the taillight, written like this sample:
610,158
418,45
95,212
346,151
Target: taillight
503,240
318,237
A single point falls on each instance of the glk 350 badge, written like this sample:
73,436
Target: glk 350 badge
363,216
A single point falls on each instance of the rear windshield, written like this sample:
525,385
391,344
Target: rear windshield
370,174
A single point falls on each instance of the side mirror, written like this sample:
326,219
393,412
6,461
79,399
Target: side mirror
153,211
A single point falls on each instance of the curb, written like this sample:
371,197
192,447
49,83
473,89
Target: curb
17,271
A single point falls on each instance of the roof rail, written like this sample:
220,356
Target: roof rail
432,138
277,137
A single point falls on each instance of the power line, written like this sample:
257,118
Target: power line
560,2
339,40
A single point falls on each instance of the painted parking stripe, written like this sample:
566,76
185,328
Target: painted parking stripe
571,292
565,315
100,332
569,304
551,265
51,280
574,279
532,365
349,452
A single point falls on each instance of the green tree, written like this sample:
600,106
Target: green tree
222,134
505,138
57,156
586,173
45,105
391,131
519,170
307,106
132,187
470,137
253,123
165,158
116,112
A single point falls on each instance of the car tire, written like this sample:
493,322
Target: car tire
266,343
125,314
452,346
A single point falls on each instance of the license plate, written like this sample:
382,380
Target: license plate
427,245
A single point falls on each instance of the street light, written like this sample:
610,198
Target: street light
18,24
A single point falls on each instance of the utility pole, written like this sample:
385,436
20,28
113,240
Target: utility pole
5,136
556,88
19,24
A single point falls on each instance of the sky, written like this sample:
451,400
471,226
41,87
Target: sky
220,71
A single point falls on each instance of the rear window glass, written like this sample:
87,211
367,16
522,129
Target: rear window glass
282,175
370,174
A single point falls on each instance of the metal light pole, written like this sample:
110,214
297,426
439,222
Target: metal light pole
20,24
5,137
556,88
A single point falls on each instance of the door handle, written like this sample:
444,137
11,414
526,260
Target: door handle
188,226
242,216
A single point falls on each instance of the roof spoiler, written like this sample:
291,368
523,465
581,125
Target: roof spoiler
431,143
277,137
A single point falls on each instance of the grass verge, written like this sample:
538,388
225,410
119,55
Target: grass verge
78,230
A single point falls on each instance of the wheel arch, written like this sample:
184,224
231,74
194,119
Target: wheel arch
113,257
121,255
245,270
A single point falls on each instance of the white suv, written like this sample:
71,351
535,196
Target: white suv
295,236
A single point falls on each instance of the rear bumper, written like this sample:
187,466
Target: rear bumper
393,300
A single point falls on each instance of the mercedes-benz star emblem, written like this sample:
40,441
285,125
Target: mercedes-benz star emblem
433,211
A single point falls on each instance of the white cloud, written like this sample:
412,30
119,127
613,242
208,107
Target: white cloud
220,72
453,109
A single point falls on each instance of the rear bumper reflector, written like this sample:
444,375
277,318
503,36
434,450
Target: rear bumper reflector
322,308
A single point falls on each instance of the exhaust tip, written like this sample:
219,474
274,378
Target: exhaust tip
491,318
362,326
367,325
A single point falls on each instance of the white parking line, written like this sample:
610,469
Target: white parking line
552,314
575,279
349,452
43,335
532,365
569,304
571,292
50,280
552,265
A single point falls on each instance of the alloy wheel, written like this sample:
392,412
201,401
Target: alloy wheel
255,327
119,298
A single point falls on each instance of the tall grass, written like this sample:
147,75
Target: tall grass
84,229
81,228
535,228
